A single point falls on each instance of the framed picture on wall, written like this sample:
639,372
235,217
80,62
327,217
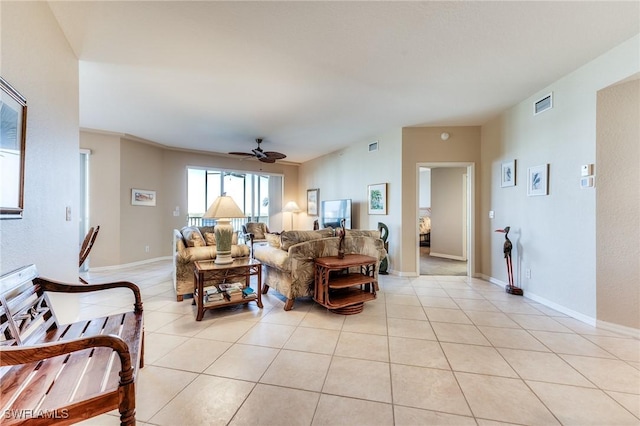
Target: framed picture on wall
312,202
143,197
377,196
538,180
508,174
13,127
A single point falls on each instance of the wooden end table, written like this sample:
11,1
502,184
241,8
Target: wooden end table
341,291
211,273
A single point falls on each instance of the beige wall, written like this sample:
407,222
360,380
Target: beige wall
422,145
553,235
37,60
448,212
104,195
119,163
347,173
618,205
141,167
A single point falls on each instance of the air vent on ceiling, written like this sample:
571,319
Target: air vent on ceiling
543,104
373,146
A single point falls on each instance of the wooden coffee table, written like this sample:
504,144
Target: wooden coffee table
210,273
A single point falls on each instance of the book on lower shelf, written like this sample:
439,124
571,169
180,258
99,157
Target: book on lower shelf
231,287
211,289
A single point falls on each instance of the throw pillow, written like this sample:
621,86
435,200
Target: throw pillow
192,236
273,240
210,238
258,230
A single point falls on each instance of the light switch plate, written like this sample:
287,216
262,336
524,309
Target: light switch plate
586,182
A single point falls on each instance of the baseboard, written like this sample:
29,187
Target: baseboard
562,309
548,303
447,256
617,328
403,274
128,265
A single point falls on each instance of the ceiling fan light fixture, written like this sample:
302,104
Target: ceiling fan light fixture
264,156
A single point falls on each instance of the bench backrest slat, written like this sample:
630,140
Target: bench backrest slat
27,313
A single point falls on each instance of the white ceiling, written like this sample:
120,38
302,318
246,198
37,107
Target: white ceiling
314,77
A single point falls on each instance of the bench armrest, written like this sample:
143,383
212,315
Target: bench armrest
59,287
16,355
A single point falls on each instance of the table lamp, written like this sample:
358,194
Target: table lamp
291,207
223,209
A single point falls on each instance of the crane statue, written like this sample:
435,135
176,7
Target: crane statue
508,246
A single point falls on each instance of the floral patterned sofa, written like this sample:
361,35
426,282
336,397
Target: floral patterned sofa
193,243
288,258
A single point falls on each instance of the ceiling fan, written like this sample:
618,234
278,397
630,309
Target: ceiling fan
264,156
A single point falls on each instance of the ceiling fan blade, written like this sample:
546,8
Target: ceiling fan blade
275,155
242,153
267,160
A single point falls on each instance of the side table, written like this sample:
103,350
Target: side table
211,273
341,291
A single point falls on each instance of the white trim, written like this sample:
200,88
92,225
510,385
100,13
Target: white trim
577,315
405,274
128,265
448,256
471,211
617,328
563,310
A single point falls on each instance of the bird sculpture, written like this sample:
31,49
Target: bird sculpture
506,249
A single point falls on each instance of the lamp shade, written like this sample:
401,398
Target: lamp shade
223,207
291,207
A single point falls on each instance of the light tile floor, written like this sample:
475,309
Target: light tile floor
430,350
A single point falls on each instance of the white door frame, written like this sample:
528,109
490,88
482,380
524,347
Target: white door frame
470,235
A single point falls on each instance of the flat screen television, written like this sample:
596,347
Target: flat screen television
333,211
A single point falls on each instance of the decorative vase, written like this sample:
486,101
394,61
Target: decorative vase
341,233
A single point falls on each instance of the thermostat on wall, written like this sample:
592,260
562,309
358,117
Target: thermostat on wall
586,170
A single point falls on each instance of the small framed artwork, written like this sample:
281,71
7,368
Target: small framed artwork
538,180
143,197
13,128
377,196
312,202
508,174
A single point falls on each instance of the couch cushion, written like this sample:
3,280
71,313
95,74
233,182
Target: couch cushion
240,250
289,238
272,257
192,237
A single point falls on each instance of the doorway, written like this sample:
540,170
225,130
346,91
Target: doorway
445,212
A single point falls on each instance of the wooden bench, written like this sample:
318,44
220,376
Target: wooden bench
52,373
